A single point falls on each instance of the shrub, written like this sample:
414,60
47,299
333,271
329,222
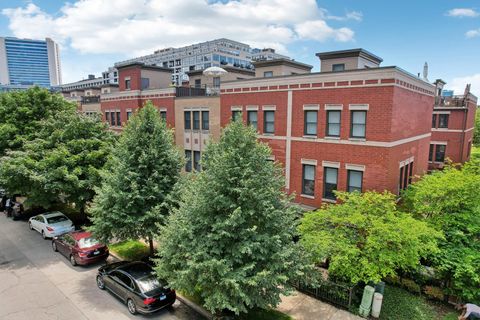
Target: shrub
411,286
434,292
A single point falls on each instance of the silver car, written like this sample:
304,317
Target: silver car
51,224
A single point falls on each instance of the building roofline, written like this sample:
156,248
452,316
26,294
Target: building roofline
226,68
282,61
144,66
349,53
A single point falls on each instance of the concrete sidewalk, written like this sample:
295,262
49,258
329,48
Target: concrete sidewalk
303,307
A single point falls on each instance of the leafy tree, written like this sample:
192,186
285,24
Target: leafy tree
142,171
22,112
476,132
450,201
365,238
231,239
62,163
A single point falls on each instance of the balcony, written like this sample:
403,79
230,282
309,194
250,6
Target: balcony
90,99
197,91
450,102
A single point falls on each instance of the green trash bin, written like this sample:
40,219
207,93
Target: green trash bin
380,287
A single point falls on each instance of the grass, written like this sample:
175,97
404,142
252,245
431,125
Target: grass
400,304
255,314
475,153
130,250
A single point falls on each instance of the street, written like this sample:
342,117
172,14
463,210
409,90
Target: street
37,283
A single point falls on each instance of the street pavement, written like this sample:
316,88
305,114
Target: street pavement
39,284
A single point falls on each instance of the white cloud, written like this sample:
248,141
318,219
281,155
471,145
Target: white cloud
129,28
472,33
462,12
458,84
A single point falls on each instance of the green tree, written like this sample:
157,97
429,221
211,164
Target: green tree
365,238
449,200
231,239
62,163
476,132
142,172
22,113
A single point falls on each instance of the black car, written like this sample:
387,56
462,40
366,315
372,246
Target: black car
136,284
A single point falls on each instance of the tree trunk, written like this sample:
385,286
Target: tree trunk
83,216
150,242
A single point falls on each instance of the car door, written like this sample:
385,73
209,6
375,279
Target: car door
40,223
121,284
62,245
69,242
36,222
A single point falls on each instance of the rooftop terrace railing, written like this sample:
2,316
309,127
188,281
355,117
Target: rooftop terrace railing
90,99
196,91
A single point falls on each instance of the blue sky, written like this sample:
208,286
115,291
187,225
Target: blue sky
96,33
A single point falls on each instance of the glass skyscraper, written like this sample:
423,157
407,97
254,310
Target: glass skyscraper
29,62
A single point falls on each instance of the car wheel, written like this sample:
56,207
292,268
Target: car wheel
131,306
100,283
73,262
54,246
44,236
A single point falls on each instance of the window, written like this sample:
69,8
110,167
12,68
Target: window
268,74
205,120
269,122
410,173
434,121
127,84
430,152
443,120
357,129
107,116
330,183
112,118
354,180
308,180
198,83
119,119
216,82
163,115
196,120
252,119
338,67
122,278
236,114
440,152
145,83
188,120
196,160
333,123
188,159
310,126
400,181
129,114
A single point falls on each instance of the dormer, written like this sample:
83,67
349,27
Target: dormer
335,61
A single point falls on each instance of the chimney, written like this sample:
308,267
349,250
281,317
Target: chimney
425,71
91,76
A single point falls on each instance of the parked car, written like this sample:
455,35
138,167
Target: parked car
80,247
51,224
136,284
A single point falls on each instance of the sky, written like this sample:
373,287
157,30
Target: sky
94,34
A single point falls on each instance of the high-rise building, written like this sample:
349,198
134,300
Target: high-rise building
219,52
25,62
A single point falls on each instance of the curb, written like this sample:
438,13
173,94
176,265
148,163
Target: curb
192,305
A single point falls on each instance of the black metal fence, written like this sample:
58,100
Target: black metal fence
341,295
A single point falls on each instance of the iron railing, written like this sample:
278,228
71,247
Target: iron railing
196,91
90,99
341,295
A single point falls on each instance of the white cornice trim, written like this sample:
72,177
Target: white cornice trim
331,164
309,161
269,108
356,167
311,107
358,107
334,107
252,108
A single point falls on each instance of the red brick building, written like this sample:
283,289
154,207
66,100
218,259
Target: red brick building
453,123
360,127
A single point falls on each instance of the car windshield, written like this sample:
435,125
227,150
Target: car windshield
87,242
148,284
56,219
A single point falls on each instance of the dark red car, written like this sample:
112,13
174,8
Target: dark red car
80,247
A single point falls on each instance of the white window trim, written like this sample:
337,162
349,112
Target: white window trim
236,108
272,158
162,109
331,164
358,107
128,78
311,162
252,108
311,107
334,107
439,142
329,200
269,108
406,162
128,110
441,112
355,167
307,196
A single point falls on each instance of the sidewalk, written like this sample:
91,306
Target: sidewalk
302,307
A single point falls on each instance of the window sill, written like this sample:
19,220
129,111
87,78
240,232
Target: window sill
329,200
331,138
268,134
307,196
309,136
357,139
